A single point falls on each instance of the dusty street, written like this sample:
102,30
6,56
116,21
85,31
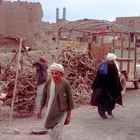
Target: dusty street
85,123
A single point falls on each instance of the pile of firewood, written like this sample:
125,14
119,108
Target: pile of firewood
80,68
25,91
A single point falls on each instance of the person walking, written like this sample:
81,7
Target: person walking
57,96
41,66
107,87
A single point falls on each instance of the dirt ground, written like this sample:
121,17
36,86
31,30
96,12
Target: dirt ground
85,123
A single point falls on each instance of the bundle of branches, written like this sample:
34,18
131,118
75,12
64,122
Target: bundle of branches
80,70
25,93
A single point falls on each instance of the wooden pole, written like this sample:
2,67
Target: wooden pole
6,70
16,79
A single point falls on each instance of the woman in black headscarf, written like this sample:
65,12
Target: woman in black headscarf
107,88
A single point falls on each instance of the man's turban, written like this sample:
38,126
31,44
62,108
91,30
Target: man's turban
57,67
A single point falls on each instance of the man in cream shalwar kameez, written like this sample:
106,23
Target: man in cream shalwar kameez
58,97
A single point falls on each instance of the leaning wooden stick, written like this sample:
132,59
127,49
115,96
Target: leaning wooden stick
16,80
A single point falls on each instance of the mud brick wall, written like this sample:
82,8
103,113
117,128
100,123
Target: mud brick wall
20,19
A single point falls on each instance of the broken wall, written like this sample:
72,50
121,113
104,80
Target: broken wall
20,19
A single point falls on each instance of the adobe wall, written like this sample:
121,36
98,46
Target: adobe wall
20,19
131,22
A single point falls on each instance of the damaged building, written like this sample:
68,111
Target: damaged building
19,19
24,19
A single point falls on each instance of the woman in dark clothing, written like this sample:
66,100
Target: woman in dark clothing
107,88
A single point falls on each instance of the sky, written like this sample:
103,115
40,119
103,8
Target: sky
90,9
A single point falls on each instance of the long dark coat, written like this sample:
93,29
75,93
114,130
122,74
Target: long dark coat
107,88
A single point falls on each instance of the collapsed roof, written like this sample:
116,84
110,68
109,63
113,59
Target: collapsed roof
91,26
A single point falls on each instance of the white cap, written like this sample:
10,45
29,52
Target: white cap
111,57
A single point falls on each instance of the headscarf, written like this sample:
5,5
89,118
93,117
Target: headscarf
57,67
43,59
111,57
